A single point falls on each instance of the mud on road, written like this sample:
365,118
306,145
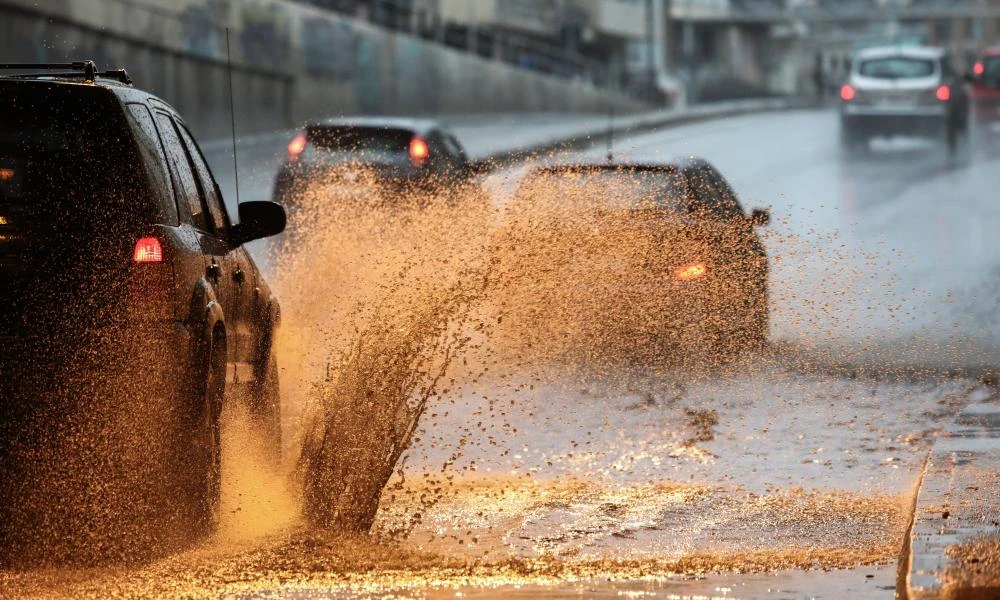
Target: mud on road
542,474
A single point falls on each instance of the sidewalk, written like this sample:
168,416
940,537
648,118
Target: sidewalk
953,550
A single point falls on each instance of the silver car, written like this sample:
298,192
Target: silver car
902,91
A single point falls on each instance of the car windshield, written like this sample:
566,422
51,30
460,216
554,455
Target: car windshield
897,67
363,144
610,188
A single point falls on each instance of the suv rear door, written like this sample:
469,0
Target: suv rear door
239,270
217,266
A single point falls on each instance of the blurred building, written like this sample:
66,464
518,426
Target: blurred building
615,43
714,49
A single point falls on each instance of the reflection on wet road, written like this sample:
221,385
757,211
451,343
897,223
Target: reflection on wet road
651,481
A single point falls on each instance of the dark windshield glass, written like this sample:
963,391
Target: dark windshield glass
897,67
366,144
611,189
66,149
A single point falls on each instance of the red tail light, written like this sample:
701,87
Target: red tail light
418,150
148,250
296,146
847,92
978,69
691,271
943,93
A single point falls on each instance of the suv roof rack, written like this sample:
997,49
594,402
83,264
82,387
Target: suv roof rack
85,69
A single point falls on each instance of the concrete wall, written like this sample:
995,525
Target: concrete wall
290,62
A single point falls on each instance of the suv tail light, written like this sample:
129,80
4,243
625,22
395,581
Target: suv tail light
847,92
978,69
419,151
151,283
296,146
943,93
148,250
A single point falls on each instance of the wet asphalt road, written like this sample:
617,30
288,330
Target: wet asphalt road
786,463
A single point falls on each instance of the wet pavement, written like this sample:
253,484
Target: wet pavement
790,475
954,543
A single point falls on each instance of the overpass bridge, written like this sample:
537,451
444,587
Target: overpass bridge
829,11
803,46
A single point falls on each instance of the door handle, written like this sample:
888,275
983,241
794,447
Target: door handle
214,271
238,275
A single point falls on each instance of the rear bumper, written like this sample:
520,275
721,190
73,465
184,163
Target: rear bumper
156,353
932,121
986,110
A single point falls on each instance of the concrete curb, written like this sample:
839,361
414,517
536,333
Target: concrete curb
952,549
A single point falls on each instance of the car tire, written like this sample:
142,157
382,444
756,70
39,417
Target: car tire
852,143
204,475
266,407
756,333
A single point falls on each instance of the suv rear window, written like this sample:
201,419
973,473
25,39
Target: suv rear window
896,67
368,144
67,150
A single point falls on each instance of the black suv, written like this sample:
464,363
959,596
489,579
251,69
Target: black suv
396,154
114,236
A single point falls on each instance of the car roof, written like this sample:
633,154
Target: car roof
678,164
124,91
900,50
415,125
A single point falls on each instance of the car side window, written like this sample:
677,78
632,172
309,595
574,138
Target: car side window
453,146
946,68
156,161
209,191
713,193
180,166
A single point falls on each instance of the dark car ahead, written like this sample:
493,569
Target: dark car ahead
115,241
396,155
666,249
984,79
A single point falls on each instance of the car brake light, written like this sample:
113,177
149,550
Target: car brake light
943,93
690,271
296,146
418,150
6,174
978,69
847,92
148,250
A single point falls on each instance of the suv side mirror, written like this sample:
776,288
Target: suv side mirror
258,219
760,217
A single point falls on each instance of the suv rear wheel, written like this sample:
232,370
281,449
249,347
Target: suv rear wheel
204,476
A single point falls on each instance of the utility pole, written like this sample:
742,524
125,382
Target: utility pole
651,43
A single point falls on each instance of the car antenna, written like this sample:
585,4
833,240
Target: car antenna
611,134
232,117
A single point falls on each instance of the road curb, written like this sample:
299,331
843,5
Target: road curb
950,549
